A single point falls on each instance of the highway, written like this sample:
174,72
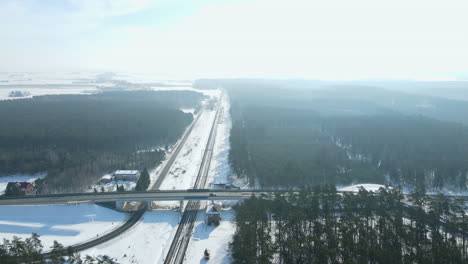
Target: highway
183,234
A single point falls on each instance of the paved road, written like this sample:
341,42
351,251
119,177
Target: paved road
133,196
183,234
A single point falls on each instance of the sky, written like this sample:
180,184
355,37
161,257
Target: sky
311,39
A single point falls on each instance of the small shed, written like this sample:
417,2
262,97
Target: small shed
126,175
213,213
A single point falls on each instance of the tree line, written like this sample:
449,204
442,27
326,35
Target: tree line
318,225
30,250
285,135
76,138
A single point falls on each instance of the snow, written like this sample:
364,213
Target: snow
112,186
217,239
34,91
355,188
68,224
188,110
18,178
220,171
147,242
214,238
183,172
210,93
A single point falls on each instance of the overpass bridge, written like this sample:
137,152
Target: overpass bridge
146,196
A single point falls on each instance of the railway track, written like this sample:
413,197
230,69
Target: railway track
176,253
168,164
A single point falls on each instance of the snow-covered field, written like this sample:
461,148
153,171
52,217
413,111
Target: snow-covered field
210,93
147,242
68,224
214,238
33,91
37,84
18,178
44,78
368,187
183,172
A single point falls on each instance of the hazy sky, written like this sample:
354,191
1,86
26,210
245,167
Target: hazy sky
258,38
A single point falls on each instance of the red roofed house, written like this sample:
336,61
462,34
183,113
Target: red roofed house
20,188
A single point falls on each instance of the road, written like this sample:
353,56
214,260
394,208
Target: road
131,221
183,234
173,195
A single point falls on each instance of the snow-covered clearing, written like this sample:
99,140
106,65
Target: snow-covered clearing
147,242
183,172
33,91
188,110
368,187
210,93
68,224
18,178
214,238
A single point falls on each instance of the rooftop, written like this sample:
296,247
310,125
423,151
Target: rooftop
126,172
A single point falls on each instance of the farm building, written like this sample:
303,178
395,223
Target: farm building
213,213
126,175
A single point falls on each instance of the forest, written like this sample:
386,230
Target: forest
293,132
76,138
30,250
319,225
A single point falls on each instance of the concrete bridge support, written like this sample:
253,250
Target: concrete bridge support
120,205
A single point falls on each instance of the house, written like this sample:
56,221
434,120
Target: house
126,175
20,188
213,213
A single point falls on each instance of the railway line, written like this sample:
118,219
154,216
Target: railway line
176,253
172,158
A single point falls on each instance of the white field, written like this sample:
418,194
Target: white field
183,172
4,92
368,187
214,238
147,242
68,224
210,93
